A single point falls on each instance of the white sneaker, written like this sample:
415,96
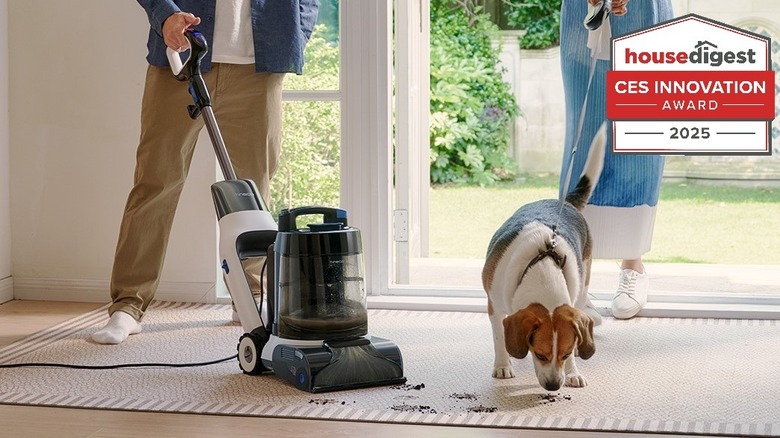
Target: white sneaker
631,295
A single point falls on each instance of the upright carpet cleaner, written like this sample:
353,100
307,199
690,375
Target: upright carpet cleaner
316,333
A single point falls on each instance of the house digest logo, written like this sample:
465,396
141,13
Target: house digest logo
691,86
701,55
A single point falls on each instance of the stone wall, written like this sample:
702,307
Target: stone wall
535,78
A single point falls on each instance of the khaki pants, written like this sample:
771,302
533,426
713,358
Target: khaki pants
248,107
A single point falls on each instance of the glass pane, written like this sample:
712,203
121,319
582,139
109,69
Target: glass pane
321,70
714,228
308,173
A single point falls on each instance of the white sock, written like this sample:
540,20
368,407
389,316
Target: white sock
119,327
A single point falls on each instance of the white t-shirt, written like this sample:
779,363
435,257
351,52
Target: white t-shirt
233,43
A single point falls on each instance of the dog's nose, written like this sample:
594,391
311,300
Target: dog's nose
552,386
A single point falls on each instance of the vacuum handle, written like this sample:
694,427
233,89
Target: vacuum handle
174,60
287,218
190,71
197,47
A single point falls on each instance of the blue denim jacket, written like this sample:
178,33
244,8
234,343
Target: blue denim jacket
281,29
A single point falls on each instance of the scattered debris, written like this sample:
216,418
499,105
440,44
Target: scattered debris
406,397
324,401
482,409
552,398
408,387
463,396
422,409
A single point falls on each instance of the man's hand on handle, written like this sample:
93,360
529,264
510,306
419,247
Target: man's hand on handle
173,30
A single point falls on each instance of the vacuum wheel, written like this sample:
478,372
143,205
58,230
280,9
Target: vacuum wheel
250,347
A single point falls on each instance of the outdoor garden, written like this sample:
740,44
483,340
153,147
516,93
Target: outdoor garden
475,182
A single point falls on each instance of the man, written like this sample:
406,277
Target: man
253,44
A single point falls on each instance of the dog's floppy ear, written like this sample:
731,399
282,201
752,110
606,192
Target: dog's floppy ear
518,329
583,326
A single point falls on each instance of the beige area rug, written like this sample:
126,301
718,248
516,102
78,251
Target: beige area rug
694,376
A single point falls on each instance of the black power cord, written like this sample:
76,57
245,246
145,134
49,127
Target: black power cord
262,290
138,365
118,366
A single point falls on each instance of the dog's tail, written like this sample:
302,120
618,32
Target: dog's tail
590,175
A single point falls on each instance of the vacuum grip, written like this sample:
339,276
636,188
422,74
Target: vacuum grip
175,62
197,48
287,218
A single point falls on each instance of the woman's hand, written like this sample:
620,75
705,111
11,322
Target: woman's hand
618,6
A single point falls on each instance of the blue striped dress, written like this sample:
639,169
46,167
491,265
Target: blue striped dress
621,211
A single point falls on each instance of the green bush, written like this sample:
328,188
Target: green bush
541,19
471,106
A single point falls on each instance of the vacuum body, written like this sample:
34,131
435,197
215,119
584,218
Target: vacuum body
314,332
319,339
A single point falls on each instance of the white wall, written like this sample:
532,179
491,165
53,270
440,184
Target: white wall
76,73
6,292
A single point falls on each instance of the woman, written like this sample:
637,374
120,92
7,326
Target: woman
621,211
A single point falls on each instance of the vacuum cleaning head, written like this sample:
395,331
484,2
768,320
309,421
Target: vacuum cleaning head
340,365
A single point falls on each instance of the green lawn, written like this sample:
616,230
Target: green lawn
695,223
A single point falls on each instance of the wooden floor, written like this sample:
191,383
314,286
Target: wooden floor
21,318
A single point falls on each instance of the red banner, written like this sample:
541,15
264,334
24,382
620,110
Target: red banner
690,95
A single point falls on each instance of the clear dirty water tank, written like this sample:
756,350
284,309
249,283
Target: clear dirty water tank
320,291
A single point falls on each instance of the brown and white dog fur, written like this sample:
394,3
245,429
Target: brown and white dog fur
537,293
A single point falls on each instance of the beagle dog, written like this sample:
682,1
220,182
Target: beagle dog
535,276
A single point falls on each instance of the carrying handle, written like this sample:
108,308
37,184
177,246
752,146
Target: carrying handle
287,217
197,47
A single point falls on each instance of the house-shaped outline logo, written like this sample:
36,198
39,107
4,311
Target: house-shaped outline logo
693,43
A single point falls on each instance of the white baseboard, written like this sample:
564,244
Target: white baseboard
97,291
6,289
